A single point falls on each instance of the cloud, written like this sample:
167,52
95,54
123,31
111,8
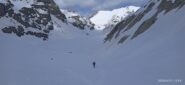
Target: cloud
72,3
109,4
89,3
95,5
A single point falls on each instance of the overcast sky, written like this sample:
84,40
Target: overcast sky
87,7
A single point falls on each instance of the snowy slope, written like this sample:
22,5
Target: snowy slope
66,58
18,4
103,18
157,54
140,22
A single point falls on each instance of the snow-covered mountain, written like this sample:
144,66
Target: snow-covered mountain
104,19
35,18
16,15
150,50
77,20
147,18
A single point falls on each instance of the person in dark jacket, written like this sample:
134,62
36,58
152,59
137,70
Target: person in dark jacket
2,9
94,64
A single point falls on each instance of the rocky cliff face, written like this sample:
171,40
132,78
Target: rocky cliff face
77,20
34,17
138,23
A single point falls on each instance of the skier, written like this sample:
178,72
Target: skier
94,64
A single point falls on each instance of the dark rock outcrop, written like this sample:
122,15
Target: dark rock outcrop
36,23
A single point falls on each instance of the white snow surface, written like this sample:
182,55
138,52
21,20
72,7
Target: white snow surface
3,1
18,4
66,58
103,18
42,11
69,14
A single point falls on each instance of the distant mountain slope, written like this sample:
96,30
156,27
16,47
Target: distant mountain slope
147,18
103,19
78,20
